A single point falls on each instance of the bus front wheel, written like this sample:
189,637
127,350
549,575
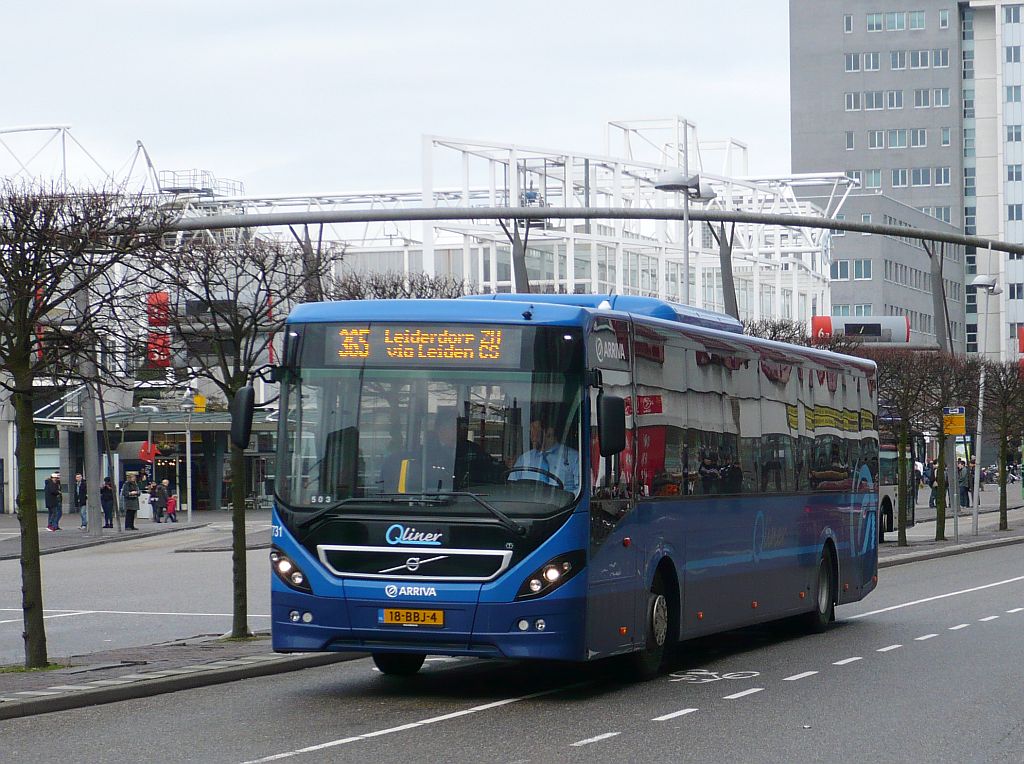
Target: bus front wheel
824,599
648,662
398,664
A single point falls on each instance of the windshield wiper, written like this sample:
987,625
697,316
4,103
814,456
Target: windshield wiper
504,519
379,499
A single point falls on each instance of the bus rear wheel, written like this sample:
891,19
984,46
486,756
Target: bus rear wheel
824,599
649,662
398,664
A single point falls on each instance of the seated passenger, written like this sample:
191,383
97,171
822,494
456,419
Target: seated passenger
548,459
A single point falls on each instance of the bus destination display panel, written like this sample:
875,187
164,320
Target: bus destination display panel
464,345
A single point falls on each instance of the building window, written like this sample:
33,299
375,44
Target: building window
840,270
968,65
853,101
967,24
970,188
899,178
894,99
871,62
918,59
1017,291
1013,172
970,220
922,98
863,309
942,176
1013,54
945,135
856,175
840,310
968,141
848,23
876,139
862,270
897,59
865,217
1013,133
874,22
898,138
943,19
940,97
918,137
895,22
873,100
940,58
873,179
839,233
849,140
969,104
921,176
853,62
916,19
943,213
1011,14
1015,211
1013,93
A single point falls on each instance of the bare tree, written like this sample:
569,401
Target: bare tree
391,285
795,333
952,380
55,245
228,300
1004,405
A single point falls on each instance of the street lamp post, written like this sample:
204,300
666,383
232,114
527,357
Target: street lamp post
692,188
987,284
188,406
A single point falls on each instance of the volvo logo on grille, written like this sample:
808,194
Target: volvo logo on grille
413,564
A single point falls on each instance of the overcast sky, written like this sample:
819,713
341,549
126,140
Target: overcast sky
304,97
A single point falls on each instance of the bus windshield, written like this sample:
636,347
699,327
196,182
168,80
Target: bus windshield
461,418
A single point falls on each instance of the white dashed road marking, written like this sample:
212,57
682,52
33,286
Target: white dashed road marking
744,693
844,661
795,677
959,626
924,637
673,715
595,739
887,649
990,618
1015,610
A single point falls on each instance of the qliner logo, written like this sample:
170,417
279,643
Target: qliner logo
398,535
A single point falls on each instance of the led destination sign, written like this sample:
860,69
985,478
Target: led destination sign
455,344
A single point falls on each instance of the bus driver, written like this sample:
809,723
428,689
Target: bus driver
548,461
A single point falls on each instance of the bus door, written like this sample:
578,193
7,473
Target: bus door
613,579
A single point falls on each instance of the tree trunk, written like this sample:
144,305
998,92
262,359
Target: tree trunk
940,490
240,626
902,485
34,634
1003,524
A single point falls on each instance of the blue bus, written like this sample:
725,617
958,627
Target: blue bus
562,477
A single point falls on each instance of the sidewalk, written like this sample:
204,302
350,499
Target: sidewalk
115,675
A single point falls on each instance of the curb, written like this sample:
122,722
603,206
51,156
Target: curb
88,541
949,551
136,686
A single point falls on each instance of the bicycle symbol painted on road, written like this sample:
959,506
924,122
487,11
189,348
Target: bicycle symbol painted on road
702,676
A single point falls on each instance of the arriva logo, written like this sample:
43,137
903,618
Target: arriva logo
410,591
398,534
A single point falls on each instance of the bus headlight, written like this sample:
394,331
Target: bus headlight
551,575
288,572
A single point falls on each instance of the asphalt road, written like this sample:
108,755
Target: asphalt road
134,594
927,669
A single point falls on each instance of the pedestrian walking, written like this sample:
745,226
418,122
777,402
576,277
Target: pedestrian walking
53,497
130,501
107,502
931,479
963,478
81,500
172,508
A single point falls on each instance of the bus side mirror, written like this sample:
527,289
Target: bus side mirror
242,407
611,424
